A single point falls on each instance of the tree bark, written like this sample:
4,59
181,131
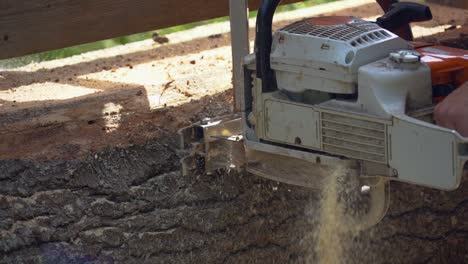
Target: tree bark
132,205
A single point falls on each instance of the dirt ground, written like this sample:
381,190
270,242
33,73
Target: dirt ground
89,165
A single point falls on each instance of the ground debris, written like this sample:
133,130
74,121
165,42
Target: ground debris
159,39
215,36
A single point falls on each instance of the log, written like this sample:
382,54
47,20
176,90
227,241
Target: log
132,206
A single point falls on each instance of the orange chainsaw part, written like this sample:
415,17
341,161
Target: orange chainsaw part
449,67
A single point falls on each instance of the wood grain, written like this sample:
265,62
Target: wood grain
30,26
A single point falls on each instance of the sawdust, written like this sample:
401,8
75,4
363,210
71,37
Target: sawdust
340,221
333,227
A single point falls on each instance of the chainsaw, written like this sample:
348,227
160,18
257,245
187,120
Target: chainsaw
336,91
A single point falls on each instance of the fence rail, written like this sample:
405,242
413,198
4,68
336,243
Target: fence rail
30,26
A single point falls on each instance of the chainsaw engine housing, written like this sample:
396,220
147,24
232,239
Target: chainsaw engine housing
348,89
325,53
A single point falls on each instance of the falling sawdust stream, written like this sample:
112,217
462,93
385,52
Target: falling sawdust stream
336,226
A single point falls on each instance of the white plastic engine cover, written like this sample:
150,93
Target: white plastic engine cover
325,53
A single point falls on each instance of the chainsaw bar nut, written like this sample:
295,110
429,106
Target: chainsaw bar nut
405,56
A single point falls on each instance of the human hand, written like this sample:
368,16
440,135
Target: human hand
452,112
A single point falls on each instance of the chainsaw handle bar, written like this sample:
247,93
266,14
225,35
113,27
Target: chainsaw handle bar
405,32
398,17
263,42
386,4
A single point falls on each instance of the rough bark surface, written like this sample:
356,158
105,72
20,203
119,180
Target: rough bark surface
132,206
75,212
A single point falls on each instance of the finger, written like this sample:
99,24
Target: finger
462,127
443,118
447,124
440,114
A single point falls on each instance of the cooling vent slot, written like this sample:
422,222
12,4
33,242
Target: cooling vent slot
357,32
354,138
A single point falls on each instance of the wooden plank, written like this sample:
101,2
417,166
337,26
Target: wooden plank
30,26
454,3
